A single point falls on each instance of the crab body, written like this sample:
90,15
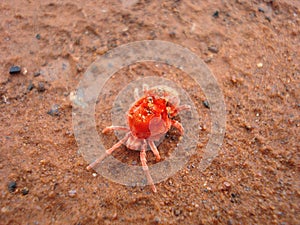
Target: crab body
149,119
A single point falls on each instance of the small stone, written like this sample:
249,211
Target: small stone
15,70
157,220
94,174
213,49
5,209
54,111
24,72
216,14
72,193
206,104
12,185
38,36
41,87
268,18
227,185
30,86
36,74
177,212
51,194
260,65
260,9
25,191
172,34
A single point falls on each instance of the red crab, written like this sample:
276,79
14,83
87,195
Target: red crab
149,119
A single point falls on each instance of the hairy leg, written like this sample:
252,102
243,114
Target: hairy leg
145,167
183,107
154,150
108,152
111,128
136,94
178,126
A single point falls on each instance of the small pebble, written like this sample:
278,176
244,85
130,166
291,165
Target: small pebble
15,70
36,74
38,36
157,220
177,212
41,87
213,49
4,209
206,104
260,65
12,186
54,111
260,9
72,193
94,174
25,191
216,14
30,86
172,34
24,72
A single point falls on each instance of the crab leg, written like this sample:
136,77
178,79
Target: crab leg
178,126
111,128
154,150
183,107
108,152
136,94
145,167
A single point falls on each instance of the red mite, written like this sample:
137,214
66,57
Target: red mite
149,119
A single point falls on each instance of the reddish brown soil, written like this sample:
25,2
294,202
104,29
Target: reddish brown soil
253,49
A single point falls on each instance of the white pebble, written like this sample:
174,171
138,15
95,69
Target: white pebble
260,65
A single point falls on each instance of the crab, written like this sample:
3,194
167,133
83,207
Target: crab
149,119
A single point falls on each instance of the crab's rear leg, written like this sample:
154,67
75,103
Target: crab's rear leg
145,167
108,152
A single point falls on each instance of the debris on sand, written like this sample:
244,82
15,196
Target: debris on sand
14,70
54,111
12,186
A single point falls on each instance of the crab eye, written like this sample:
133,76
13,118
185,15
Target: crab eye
150,99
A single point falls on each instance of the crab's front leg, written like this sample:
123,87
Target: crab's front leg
145,166
108,152
178,126
154,150
111,128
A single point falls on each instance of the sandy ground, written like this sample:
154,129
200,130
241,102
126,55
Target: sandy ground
253,49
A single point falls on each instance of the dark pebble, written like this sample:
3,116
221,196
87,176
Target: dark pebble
268,18
172,34
206,104
15,70
157,220
177,212
213,49
30,86
54,111
12,186
36,74
38,36
41,87
216,14
260,9
25,191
